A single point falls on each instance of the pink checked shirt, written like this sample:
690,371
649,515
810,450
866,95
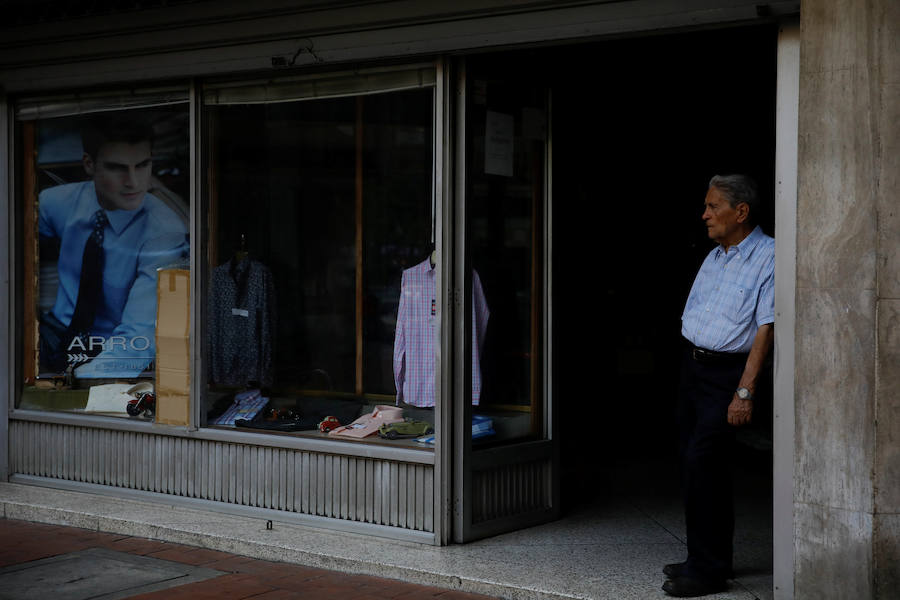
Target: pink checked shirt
415,339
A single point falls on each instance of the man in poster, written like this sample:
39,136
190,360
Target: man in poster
111,236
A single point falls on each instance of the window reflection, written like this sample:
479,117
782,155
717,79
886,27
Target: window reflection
506,129
316,209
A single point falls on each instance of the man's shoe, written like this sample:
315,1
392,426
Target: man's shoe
674,570
690,587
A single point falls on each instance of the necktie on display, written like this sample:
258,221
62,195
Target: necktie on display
91,283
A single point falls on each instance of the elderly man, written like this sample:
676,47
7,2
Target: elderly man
728,327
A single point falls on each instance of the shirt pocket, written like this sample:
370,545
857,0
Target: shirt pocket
738,304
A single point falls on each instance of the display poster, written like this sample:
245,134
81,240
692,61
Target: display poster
498,144
110,213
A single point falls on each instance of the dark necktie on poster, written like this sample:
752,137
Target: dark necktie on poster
91,283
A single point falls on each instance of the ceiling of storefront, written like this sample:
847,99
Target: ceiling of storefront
52,44
18,13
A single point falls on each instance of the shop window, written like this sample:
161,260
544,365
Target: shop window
320,197
105,188
506,132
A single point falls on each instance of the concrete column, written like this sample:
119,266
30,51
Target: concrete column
847,384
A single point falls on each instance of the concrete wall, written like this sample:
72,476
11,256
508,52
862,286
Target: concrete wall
847,462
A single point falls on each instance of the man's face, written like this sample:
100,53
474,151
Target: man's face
121,173
723,222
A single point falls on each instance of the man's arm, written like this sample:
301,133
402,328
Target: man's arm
740,411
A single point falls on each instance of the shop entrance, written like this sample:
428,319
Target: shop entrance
639,127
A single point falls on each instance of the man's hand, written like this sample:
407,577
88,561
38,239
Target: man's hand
739,411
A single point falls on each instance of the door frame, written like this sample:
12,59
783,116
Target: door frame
787,94
466,460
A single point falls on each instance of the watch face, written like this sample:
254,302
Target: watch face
743,393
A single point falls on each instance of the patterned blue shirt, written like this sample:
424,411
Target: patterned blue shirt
733,295
135,244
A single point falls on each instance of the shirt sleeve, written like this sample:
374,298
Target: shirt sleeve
480,311
51,212
400,341
269,329
213,296
765,306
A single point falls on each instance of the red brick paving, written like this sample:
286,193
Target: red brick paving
243,577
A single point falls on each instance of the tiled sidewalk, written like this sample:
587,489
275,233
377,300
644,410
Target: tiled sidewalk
243,577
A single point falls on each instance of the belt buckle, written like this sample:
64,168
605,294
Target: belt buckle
698,354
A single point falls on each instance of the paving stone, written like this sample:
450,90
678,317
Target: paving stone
242,577
93,573
282,595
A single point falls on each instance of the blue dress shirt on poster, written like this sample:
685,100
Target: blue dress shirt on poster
135,244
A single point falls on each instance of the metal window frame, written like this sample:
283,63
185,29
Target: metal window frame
200,278
444,186
8,282
467,459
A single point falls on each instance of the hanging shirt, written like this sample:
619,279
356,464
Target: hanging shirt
733,295
242,320
135,244
416,335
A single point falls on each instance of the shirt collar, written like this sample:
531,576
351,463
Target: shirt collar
746,246
426,266
118,219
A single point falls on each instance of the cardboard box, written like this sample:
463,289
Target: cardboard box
173,347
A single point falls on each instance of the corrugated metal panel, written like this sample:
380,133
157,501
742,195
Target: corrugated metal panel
510,490
352,488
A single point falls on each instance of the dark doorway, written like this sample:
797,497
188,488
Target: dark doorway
639,127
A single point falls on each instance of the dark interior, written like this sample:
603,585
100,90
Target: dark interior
639,127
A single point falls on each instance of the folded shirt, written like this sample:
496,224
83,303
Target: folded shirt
367,425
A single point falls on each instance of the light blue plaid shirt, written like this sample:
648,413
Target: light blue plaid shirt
733,295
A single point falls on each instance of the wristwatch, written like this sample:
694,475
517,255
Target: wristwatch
744,394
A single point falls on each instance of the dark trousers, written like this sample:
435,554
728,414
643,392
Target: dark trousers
706,445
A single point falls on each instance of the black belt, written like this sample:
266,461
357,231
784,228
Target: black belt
711,357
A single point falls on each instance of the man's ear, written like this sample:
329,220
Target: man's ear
743,212
88,163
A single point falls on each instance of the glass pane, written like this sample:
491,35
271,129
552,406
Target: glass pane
106,236
506,132
317,207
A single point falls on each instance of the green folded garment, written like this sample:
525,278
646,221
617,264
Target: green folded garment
405,429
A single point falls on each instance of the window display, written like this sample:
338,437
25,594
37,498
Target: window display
415,338
242,322
320,199
319,206
107,196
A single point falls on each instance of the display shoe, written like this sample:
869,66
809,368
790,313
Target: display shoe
690,587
